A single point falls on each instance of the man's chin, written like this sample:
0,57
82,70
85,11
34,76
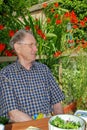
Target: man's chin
33,58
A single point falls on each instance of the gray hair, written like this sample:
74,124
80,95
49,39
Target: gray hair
19,36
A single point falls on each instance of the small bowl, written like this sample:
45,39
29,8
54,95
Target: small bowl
2,127
67,117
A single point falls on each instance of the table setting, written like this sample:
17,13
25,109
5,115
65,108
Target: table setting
77,121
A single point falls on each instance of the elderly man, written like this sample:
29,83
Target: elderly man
27,87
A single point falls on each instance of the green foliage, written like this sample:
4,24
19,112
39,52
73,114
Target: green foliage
4,120
74,79
33,2
79,6
11,8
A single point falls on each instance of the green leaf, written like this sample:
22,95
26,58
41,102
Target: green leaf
32,26
51,35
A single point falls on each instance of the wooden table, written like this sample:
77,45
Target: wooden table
40,123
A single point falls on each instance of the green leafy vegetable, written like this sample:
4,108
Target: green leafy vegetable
60,123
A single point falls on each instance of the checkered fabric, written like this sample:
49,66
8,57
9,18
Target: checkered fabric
31,91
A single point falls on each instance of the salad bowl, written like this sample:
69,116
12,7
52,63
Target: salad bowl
66,122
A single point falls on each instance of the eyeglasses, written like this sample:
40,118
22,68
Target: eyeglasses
30,45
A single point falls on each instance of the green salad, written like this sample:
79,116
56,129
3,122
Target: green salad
60,123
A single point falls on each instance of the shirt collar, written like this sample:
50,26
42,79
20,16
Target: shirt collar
19,66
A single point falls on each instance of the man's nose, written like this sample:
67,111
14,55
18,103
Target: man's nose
35,48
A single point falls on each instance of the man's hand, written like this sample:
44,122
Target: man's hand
58,109
18,116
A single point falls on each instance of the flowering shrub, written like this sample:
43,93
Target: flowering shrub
58,43
56,36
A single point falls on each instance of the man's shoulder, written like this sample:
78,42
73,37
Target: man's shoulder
8,68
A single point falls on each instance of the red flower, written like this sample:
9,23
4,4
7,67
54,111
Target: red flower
82,23
11,33
72,14
48,20
8,53
39,32
84,45
2,47
67,14
43,36
73,17
74,20
75,26
58,21
27,28
44,5
56,16
56,4
1,27
85,19
57,53
52,10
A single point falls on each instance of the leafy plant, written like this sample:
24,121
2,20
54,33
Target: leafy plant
4,120
74,79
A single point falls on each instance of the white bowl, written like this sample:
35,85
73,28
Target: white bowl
66,117
2,127
82,114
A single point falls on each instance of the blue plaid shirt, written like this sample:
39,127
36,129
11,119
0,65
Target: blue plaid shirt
30,91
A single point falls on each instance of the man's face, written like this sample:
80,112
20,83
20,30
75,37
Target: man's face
28,48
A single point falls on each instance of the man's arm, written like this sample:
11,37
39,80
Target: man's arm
18,116
58,109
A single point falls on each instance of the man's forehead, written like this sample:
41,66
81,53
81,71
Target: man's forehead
29,37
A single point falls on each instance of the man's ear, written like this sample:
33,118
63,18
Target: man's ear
17,47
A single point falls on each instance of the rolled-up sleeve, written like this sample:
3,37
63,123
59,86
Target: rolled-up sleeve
7,98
